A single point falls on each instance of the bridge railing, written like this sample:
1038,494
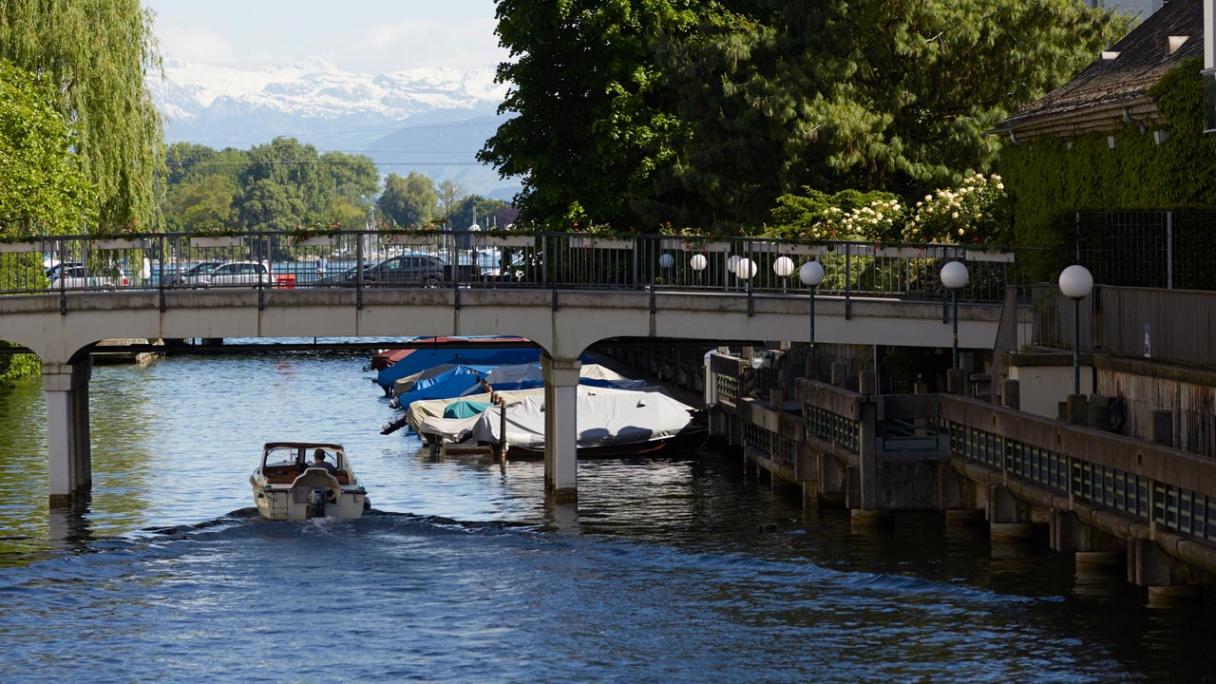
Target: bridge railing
377,259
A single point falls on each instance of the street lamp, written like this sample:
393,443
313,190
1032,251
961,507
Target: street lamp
1076,282
954,277
811,275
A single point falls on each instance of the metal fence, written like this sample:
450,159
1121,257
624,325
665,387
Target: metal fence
1173,326
366,259
1165,249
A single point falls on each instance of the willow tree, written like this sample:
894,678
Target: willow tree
97,53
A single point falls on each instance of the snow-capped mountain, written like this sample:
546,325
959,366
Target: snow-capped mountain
452,111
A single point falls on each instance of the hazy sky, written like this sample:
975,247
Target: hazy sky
356,35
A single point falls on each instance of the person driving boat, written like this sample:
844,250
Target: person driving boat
318,461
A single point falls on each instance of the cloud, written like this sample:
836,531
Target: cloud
463,45
195,45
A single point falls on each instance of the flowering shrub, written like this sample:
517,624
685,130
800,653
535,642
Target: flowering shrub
876,221
967,213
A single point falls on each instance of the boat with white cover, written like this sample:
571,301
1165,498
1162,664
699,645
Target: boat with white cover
611,422
302,480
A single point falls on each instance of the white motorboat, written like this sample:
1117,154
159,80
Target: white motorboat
302,480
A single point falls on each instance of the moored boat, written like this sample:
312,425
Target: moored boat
302,480
611,422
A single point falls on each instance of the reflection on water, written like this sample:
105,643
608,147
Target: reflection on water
672,570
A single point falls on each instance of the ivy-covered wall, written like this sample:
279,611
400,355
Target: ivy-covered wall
1047,181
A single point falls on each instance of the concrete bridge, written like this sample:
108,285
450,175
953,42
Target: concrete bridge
563,315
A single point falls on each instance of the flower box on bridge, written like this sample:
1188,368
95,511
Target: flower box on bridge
412,239
23,247
317,241
116,244
215,241
695,245
786,249
600,243
990,256
509,241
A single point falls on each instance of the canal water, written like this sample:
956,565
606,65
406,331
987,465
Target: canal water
673,570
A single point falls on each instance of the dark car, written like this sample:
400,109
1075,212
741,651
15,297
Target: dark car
192,275
415,269
344,279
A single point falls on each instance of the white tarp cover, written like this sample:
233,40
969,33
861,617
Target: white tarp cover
426,417
605,417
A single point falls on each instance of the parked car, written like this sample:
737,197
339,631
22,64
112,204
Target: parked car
237,273
404,271
73,275
192,275
346,278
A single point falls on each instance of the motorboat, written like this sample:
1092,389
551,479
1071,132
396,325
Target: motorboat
611,422
302,480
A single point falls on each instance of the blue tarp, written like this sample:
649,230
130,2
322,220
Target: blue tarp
422,359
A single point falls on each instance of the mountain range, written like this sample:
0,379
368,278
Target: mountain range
432,121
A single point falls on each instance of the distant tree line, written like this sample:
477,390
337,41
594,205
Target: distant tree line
285,185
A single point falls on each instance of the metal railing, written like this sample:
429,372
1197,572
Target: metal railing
1166,249
371,259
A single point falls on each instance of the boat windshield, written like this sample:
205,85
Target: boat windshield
279,457
287,456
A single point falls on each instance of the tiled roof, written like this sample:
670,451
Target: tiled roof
1143,58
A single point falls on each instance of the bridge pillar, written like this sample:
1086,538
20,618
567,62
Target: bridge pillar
561,427
67,432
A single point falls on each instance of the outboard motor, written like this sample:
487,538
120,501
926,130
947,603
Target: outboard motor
316,502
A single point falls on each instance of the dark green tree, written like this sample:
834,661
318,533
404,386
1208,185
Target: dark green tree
409,201
97,53
641,111
594,118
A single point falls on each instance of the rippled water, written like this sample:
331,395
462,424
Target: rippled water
671,570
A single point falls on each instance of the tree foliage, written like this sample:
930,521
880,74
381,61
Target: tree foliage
409,201
645,111
42,187
97,53
282,185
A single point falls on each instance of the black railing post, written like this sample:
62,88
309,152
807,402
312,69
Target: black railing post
751,268
848,281
552,251
359,271
63,272
160,278
258,257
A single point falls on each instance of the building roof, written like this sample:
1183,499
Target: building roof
1115,88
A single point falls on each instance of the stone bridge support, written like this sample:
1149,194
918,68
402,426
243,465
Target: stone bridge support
561,428
67,433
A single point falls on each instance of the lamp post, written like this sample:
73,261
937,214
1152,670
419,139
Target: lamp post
811,275
1076,283
955,276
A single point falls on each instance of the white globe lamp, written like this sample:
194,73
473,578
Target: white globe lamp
955,275
811,274
698,262
745,269
783,266
1076,282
